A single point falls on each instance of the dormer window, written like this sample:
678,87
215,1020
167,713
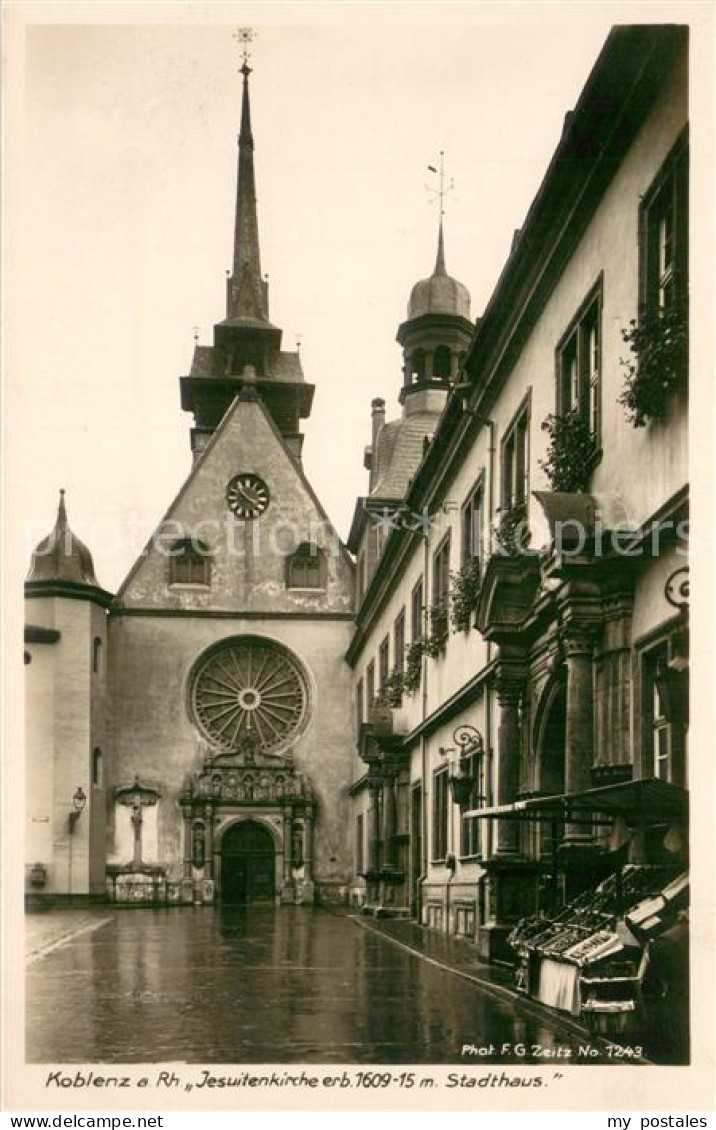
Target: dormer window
306,568
189,563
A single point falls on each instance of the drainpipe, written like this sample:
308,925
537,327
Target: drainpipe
492,451
423,741
451,856
488,765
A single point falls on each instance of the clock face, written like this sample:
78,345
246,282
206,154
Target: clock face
247,496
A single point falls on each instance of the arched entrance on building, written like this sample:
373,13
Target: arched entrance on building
248,864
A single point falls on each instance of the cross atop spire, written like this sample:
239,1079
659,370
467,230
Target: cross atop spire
438,194
441,191
245,36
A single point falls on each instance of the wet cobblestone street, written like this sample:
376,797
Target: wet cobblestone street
260,985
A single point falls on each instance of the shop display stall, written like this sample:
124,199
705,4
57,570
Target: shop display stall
591,957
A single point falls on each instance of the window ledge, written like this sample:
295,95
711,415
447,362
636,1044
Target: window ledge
191,585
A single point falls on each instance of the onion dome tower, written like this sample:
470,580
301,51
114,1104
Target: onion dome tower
435,335
62,565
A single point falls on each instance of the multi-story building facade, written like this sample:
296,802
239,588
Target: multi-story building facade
520,655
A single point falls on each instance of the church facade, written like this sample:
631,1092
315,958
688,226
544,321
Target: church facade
205,721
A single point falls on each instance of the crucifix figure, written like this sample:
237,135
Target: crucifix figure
137,797
136,818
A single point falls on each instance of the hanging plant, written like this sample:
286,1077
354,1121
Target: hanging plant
413,667
464,595
512,535
434,645
571,452
659,343
391,693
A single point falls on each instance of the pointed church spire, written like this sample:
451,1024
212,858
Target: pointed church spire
440,261
247,292
246,357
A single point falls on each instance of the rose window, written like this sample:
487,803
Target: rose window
249,692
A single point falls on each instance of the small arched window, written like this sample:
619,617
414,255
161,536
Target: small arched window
441,363
189,563
96,654
97,768
306,568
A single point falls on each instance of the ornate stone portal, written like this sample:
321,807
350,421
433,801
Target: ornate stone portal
247,786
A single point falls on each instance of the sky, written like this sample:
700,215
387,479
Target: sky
127,148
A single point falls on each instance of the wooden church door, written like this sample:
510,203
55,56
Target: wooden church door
247,863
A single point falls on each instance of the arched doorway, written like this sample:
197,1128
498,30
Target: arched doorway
551,759
247,863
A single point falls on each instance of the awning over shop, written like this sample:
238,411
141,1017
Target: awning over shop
649,801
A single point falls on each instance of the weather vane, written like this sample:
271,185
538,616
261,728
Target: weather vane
245,36
441,192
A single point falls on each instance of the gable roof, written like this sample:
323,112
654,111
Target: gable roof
247,394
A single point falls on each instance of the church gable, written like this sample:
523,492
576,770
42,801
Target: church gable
245,533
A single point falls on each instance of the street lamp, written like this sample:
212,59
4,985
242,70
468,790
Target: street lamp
79,800
470,741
